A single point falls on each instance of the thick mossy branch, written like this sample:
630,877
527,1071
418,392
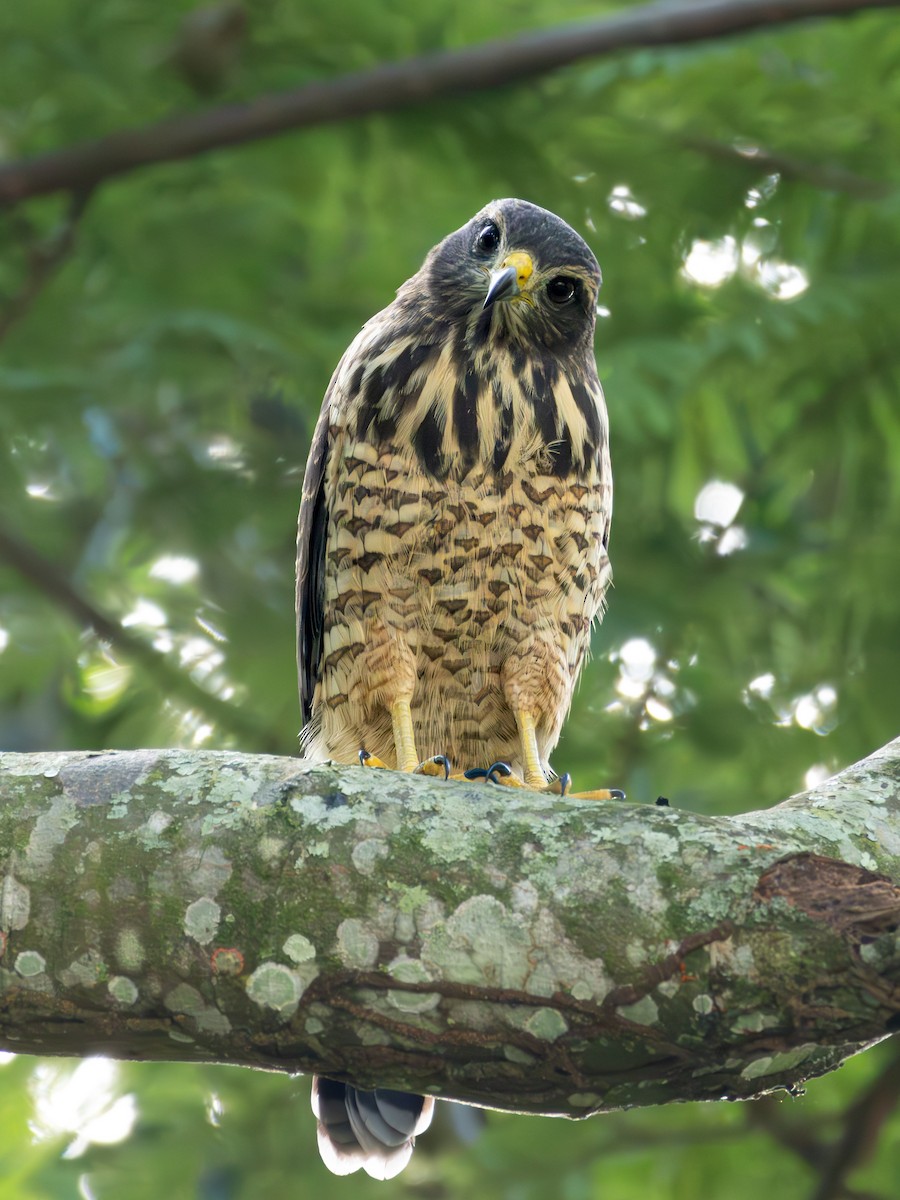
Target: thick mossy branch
492,945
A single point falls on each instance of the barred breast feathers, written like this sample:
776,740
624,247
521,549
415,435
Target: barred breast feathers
409,380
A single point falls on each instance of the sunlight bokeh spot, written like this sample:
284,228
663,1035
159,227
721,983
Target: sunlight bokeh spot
145,613
175,568
816,710
621,201
763,191
646,691
85,1191
711,263
208,627
762,685
782,280
106,680
215,1109
200,656
80,1103
41,489
718,502
656,709
816,774
734,538
638,659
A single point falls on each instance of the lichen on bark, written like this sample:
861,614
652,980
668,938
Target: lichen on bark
495,946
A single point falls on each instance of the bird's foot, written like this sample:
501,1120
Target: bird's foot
369,760
597,794
560,787
438,765
501,773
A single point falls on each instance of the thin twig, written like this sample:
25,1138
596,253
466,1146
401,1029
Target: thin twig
799,1138
862,1122
827,176
44,261
50,580
406,84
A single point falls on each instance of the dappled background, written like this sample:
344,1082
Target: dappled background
164,355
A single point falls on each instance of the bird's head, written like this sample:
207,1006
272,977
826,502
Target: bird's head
515,272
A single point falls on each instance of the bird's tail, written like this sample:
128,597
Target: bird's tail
374,1130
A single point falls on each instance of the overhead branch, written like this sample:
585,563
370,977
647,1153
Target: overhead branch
406,84
505,948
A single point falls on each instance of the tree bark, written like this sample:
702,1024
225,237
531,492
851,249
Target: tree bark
479,943
408,84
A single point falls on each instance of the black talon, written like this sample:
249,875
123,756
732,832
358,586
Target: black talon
424,766
617,794
474,773
498,768
363,755
662,802
565,782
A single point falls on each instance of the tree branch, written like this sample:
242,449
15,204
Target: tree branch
53,582
406,84
862,1124
513,950
44,260
758,159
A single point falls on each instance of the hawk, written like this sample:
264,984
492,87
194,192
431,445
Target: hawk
452,546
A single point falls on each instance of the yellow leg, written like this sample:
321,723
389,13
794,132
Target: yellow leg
534,772
404,736
405,754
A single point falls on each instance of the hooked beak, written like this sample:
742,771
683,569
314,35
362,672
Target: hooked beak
504,285
509,280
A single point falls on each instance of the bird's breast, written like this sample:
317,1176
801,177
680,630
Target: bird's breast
458,408
462,568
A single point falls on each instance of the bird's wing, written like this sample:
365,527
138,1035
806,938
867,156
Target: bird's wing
315,506
311,534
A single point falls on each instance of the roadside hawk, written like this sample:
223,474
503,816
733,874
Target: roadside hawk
452,546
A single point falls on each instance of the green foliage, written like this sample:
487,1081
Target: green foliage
158,397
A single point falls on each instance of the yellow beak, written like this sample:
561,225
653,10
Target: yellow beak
510,278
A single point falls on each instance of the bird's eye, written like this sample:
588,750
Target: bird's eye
561,289
488,238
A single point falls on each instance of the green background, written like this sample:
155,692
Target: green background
157,396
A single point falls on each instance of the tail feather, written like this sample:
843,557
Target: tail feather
398,1109
370,1127
375,1131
